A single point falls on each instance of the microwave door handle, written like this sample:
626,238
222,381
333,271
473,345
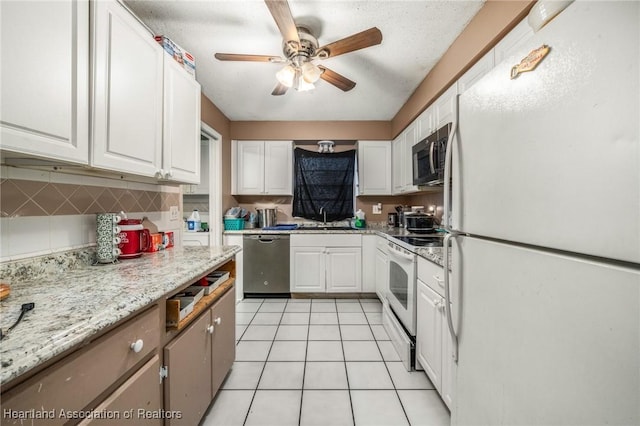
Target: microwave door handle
432,145
448,159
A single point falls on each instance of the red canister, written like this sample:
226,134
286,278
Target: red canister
134,239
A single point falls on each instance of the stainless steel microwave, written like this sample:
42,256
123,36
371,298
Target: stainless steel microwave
429,156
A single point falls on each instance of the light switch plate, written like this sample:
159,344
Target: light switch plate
174,213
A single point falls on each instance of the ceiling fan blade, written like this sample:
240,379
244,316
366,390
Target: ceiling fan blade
251,58
366,38
284,20
341,82
279,90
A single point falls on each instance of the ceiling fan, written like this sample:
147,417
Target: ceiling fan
300,48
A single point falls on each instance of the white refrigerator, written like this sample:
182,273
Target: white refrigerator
545,229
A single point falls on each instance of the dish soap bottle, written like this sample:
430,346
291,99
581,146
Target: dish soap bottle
193,222
360,220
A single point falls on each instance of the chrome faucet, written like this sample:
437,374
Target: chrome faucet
323,212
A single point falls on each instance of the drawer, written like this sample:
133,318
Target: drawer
326,240
75,381
142,393
432,275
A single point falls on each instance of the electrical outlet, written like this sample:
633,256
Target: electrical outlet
377,208
174,213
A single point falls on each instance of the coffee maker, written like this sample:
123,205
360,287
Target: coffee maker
393,220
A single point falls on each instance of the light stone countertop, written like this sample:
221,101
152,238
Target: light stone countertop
74,305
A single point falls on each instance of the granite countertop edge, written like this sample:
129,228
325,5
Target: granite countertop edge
72,307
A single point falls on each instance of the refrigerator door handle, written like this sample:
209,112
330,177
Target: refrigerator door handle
448,159
447,295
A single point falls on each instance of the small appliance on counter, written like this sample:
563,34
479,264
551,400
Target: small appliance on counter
419,223
134,238
392,220
267,217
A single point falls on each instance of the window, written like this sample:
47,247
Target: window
323,181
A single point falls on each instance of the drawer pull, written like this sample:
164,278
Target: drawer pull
218,321
210,329
137,345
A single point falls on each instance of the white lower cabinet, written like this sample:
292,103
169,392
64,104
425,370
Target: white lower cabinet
329,263
381,267
236,240
433,340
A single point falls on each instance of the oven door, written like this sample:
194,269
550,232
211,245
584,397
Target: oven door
402,286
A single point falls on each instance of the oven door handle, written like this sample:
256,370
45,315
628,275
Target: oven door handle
447,296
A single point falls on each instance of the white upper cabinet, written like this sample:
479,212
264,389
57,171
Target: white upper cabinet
397,147
181,135
45,79
262,168
425,123
510,43
127,97
146,107
476,72
445,106
374,168
278,168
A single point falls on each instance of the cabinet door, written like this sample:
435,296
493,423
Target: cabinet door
445,106
223,342
397,154
45,78
411,138
344,269
429,333
250,167
307,266
188,386
127,93
425,123
181,132
374,168
382,273
141,391
476,72
278,168
447,391
236,240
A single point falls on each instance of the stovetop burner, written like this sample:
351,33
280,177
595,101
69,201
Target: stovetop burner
421,241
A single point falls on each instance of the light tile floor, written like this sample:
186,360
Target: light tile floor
320,362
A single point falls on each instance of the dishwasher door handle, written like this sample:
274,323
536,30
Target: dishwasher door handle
265,241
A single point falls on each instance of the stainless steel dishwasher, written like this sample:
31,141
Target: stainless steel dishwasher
266,265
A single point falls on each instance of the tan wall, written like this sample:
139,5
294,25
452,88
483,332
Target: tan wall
311,130
211,115
493,21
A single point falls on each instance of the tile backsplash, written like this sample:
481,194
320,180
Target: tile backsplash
48,212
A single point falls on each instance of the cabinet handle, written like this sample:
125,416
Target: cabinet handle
159,174
210,329
168,175
217,321
137,346
439,281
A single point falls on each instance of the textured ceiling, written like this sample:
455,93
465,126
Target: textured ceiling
415,35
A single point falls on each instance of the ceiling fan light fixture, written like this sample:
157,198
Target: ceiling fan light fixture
302,85
286,76
310,72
